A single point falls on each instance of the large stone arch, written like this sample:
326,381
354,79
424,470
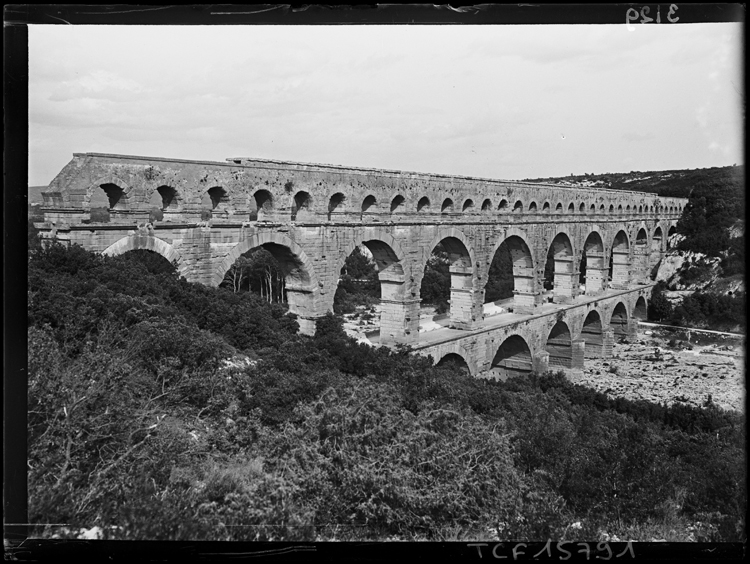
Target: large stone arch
596,271
389,256
302,206
524,268
445,233
110,179
620,260
148,242
512,358
217,200
338,204
657,240
641,252
563,258
397,204
592,333
164,196
459,358
671,231
261,203
559,346
463,314
468,205
369,205
369,234
640,309
619,320
657,250
303,275
423,205
301,278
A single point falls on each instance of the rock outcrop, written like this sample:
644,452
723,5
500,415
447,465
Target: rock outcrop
686,272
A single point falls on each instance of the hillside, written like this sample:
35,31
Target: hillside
667,183
35,194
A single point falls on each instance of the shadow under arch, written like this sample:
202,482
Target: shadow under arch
462,275
140,241
165,198
592,334
619,321
513,358
670,232
523,261
299,273
560,260
641,252
619,261
388,256
559,345
454,360
109,180
640,311
261,205
657,246
593,255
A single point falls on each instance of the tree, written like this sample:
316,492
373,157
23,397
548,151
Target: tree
259,272
659,307
500,282
266,277
436,283
237,274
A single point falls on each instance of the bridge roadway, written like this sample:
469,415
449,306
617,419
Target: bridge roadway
581,334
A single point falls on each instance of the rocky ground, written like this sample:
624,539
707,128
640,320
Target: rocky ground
662,368
364,320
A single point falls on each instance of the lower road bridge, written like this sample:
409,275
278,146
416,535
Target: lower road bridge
602,244
554,336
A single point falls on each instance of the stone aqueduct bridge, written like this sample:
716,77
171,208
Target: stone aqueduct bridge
204,215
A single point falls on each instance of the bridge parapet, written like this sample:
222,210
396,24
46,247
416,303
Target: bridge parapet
133,188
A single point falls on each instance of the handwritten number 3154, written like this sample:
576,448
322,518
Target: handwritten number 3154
632,14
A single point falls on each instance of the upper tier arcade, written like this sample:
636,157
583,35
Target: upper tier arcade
244,189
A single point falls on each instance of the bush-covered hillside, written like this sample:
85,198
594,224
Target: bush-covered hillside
139,424
667,183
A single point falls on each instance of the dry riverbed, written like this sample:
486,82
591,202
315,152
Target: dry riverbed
650,369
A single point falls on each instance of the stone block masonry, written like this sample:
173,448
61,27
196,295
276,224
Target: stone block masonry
203,215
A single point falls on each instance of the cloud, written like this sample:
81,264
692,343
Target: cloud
476,100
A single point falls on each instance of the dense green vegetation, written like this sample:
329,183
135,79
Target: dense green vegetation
358,285
137,423
259,272
714,206
700,309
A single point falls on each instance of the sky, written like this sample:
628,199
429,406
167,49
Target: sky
504,102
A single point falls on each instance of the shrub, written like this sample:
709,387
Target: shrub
364,460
